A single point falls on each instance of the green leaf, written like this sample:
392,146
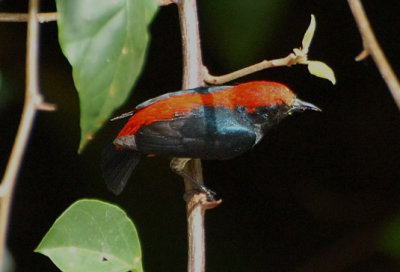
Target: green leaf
308,36
105,41
320,69
92,235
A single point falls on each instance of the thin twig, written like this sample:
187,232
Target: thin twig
371,46
23,17
193,76
289,60
33,102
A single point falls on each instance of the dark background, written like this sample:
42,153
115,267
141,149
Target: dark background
315,195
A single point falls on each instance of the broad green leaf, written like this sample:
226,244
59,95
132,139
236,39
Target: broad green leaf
320,69
308,36
93,236
105,41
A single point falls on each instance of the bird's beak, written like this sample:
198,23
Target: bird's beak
300,105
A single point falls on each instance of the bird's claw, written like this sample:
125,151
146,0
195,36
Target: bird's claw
178,166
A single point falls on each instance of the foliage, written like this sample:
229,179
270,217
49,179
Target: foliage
105,42
93,236
316,68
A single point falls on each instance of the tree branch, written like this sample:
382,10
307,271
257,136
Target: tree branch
33,102
371,46
289,60
23,17
193,76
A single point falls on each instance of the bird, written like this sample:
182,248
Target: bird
208,123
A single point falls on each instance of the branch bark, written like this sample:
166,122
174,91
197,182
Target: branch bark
33,103
371,46
23,17
193,76
288,61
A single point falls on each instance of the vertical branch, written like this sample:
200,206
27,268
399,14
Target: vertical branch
193,77
192,60
371,46
33,102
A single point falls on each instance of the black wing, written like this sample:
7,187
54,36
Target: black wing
206,133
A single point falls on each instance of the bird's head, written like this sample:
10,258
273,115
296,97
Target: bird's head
270,102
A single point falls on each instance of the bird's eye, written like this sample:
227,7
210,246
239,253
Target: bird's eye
265,115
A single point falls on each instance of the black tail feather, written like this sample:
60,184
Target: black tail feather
118,166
